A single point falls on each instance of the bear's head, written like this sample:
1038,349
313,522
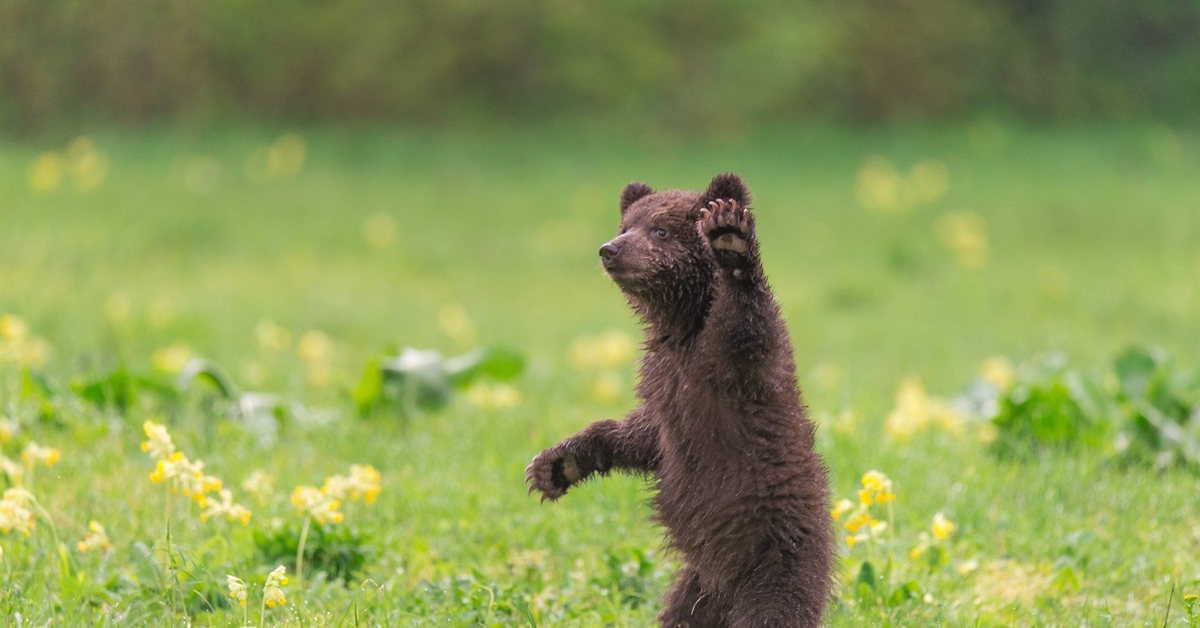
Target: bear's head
659,258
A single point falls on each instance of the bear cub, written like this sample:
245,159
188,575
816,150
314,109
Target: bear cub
721,428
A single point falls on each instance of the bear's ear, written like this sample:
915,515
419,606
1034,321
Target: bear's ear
727,186
632,193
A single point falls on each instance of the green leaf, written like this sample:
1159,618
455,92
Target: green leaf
369,390
200,369
495,362
866,575
1135,366
903,593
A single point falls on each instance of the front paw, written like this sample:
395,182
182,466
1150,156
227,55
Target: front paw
552,473
727,226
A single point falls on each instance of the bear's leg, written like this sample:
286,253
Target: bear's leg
687,606
775,597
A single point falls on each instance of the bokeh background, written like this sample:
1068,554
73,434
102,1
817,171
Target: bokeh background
969,211
711,64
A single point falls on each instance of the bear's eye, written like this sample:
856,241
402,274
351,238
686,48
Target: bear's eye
660,233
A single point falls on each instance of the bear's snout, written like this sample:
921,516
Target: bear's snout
608,253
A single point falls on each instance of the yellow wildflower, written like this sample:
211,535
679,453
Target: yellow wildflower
608,350
14,471
314,346
273,591
362,483
877,488
96,539
172,358
260,485
860,519
498,396
46,172
35,453
159,444
271,337
14,514
965,233
842,508
317,504
226,508
942,527
998,371
186,477
456,323
13,328
8,428
237,589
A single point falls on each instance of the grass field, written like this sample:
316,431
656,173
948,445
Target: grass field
292,259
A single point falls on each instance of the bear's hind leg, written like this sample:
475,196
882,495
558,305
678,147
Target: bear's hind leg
687,606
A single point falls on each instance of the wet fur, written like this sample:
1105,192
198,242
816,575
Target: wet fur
721,427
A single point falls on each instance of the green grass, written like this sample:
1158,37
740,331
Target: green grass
1094,243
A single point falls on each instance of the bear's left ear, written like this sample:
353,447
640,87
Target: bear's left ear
727,186
632,193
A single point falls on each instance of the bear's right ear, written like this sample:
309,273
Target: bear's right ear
632,193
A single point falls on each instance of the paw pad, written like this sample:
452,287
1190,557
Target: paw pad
727,225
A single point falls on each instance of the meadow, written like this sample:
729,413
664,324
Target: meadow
909,262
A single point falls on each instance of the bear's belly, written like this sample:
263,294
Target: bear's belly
712,510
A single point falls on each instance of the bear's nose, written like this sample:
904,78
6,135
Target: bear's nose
608,252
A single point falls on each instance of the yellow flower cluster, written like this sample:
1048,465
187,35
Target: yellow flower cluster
323,504
857,518
312,501
965,233
273,589
880,187
18,346
187,477
916,410
35,453
96,539
939,531
493,396
237,589
82,162
15,513
315,348
362,483
226,508
172,358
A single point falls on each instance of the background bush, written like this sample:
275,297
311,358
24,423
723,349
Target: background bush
698,63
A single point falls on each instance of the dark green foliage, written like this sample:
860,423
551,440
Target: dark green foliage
1051,405
1162,410
419,380
711,62
340,551
1151,415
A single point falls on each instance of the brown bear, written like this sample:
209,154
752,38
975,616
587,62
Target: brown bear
721,427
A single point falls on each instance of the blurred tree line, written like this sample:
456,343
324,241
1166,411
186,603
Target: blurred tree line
669,61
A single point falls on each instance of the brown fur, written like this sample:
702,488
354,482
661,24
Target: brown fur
741,492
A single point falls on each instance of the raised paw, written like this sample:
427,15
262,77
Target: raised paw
726,225
552,473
